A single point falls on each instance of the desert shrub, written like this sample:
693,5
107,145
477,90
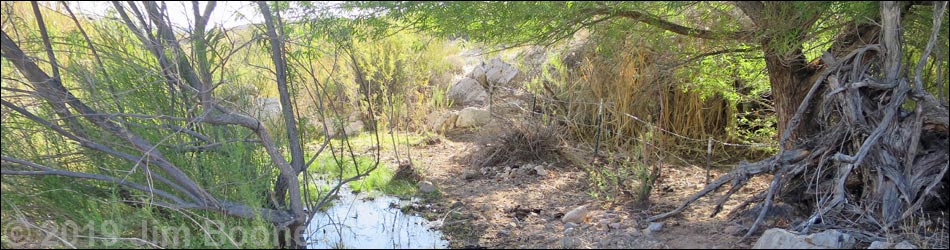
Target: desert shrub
521,142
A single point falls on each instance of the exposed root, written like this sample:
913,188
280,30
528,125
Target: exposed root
873,164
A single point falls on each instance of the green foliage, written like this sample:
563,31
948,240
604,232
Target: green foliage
129,81
509,22
624,177
342,166
406,74
346,168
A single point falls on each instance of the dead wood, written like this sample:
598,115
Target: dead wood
874,163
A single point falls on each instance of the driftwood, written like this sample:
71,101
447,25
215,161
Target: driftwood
874,163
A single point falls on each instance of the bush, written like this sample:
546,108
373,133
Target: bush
523,142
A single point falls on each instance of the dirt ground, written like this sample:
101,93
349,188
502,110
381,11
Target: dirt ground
523,209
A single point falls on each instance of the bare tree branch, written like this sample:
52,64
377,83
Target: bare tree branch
673,27
44,170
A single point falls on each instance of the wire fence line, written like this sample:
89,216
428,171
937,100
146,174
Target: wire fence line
638,119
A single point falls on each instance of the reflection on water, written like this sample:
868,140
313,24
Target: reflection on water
370,223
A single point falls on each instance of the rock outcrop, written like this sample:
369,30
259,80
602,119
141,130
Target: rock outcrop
468,92
777,238
472,117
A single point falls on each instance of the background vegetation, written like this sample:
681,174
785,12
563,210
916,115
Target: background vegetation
633,91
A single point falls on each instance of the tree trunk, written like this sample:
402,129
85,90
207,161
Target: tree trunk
790,81
287,183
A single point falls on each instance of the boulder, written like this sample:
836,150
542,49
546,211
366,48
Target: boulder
467,92
471,117
498,72
780,238
888,245
478,73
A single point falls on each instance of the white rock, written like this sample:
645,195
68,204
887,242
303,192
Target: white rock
879,245
654,227
478,73
499,72
426,187
540,170
471,117
576,215
468,92
888,245
905,245
780,238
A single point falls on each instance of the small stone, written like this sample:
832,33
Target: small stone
576,215
457,204
888,245
570,225
604,243
503,233
539,237
780,238
879,245
568,242
512,224
523,171
734,230
616,225
469,174
568,231
905,245
540,170
655,227
426,187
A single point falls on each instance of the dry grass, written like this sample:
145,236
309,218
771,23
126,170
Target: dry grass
632,83
521,142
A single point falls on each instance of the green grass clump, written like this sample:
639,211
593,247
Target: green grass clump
363,145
